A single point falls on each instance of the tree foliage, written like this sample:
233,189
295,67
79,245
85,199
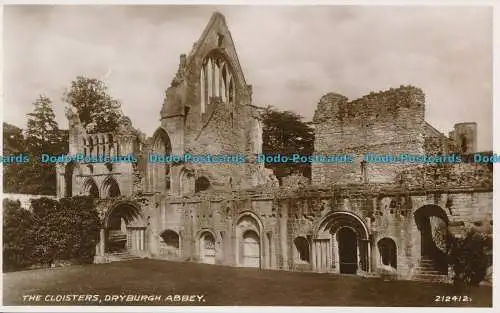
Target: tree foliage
84,226
48,233
470,257
66,230
286,133
95,107
13,139
42,135
56,230
18,236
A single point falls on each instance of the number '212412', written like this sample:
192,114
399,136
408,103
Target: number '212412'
452,299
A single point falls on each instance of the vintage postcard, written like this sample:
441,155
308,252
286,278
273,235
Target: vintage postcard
247,155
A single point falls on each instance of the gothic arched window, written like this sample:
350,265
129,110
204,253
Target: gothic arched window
216,82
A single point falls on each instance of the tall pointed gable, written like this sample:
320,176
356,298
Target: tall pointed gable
211,39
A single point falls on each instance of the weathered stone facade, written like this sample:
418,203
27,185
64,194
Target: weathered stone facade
353,218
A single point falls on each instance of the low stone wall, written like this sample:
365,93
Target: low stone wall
25,199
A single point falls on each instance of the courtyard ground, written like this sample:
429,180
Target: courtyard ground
218,285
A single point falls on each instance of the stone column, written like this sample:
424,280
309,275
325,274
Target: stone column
368,248
316,252
214,94
324,250
329,253
313,256
106,145
283,234
205,88
202,89
319,256
102,242
335,252
373,255
219,71
98,145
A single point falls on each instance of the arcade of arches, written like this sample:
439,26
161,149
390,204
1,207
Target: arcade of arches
342,243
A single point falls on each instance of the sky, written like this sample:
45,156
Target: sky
291,55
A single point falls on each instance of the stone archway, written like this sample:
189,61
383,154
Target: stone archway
110,188
341,244
301,250
90,188
169,243
207,248
248,243
432,222
158,171
388,252
125,229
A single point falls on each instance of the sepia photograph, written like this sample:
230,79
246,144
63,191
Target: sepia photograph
245,155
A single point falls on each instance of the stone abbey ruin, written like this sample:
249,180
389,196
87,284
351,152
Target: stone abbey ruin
353,218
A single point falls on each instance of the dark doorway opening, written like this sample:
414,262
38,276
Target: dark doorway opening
388,252
348,251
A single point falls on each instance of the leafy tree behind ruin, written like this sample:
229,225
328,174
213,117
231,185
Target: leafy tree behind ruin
42,135
286,133
95,107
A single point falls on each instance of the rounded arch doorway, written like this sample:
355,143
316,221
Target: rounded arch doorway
125,229
342,244
207,248
248,243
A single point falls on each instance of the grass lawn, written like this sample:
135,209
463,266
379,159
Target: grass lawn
218,285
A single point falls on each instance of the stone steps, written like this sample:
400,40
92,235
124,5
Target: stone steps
424,271
431,278
427,270
122,256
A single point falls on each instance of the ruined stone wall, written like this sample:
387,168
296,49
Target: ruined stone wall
224,127
437,143
464,136
389,122
124,173
284,215
460,175
217,214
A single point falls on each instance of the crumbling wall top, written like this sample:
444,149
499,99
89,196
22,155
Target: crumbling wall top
378,104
